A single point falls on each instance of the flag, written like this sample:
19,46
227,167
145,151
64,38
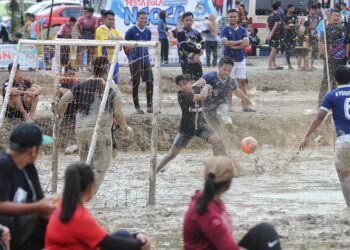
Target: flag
320,27
36,28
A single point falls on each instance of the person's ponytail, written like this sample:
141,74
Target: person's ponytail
207,196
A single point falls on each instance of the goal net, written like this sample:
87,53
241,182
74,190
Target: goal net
63,87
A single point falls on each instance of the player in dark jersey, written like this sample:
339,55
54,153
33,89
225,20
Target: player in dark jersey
291,25
337,101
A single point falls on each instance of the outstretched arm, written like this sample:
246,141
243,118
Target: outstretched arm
63,103
312,127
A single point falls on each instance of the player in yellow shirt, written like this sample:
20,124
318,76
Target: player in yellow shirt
108,32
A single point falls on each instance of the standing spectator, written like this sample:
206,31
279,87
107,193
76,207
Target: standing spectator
235,39
5,237
310,22
337,49
240,11
139,62
229,5
211,40
88,96
302,49
34,28
87,28
291,25
24,96
207,224
100,20
344,13
72,226
219,5
254,40
27,24
319,10
107,31
23,206
66,33
191,47
163,37
274,25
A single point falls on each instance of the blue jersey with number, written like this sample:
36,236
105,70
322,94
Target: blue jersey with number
338,101
220,90
231,34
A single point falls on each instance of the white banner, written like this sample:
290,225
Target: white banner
27,57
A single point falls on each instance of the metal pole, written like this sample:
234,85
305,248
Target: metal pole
9,86
49,26
154,136
103,104
55,130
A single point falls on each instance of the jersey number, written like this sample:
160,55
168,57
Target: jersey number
347,108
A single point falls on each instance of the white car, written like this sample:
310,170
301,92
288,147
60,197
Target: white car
39,7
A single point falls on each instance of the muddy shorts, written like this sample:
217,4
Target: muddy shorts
274,42
182,139
342,153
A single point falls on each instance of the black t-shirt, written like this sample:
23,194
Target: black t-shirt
271,20
189,109
187,41
72,107
291,20
14,185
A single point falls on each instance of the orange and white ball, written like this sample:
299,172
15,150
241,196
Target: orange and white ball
249,145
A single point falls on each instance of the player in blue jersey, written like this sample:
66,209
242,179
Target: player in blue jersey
235,39
337,101
220,87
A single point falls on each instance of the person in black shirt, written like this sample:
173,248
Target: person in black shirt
274,25
191,47
23,207
291,25
192,122
66,84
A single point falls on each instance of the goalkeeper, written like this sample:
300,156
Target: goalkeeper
88,96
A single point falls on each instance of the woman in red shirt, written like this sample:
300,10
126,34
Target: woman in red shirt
72,227
207,225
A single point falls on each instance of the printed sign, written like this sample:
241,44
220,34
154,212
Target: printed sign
27,57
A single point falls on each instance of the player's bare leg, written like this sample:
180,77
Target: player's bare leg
272,58
217,143
242,85
173,152
17,103
344,178
31,102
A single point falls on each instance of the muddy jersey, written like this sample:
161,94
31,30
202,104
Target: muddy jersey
88,97
220,90
190,42
336,41
310,23
338,101
292,21
271,20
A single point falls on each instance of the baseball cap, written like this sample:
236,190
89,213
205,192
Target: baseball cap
26,135
221,167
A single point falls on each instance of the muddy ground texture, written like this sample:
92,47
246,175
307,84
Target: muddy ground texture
298,192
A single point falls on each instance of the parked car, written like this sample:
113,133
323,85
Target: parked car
47,5
60,14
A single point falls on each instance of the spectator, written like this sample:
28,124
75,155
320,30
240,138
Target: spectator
16,38
87,28
302,50
291,25
5,237
34,28
211,40
344,13
4,35
240,11
219,5
27,25
274,25
139,62
229,5
254,41
88,96
100,20
66,33
319,10
107,31
337,50
23,207
163,36
72,226
191,47
207,224
67,83
23,98
310,22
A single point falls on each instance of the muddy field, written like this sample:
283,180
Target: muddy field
298,192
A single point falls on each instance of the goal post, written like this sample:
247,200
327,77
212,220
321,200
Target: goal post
54,127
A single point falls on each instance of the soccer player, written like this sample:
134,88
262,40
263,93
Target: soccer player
235,39
191,47
220,87
139,62
192,121
337,101
23,206
88,96
108,32
24,96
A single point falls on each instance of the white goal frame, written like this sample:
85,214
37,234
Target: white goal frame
117,44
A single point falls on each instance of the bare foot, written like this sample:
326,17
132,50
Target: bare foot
27,118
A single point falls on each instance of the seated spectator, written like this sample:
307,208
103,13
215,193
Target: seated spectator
16,38
5,238
24,97
207,224
72,226
67,83
254,41
23,207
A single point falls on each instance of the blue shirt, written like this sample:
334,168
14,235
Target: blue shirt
136,34
32,34
231,34
220,90
162,29
338,101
